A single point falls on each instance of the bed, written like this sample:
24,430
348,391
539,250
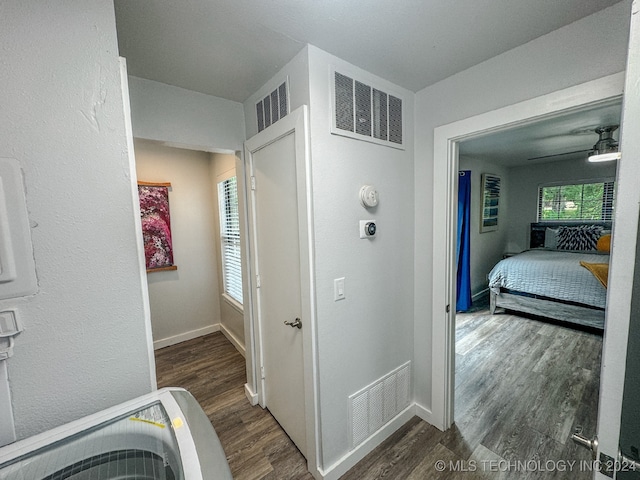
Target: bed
549,280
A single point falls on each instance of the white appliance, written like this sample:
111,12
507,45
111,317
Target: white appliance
164,435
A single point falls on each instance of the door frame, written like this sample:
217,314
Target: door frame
296,123
446,139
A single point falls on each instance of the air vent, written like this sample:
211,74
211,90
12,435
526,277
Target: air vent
365,112
273,107
378,403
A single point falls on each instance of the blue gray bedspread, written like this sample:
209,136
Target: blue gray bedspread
551,273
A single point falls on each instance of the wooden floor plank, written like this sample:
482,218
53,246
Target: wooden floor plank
522,387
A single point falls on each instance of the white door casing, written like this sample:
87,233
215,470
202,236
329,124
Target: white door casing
446,138
623,260
277,163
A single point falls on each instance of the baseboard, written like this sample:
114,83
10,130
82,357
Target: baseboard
354,456
480,294
234,340
183,337
253,397
427,415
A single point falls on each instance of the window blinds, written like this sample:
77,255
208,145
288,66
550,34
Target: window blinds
230,238
592,201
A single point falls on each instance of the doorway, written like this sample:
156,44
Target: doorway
281,322
446,165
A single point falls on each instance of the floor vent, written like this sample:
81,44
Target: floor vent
365,112
379,402
273,107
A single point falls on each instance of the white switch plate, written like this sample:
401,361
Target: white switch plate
338,289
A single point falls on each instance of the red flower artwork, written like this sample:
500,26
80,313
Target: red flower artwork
156,225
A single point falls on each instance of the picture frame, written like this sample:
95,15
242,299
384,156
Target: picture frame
156,226
490,202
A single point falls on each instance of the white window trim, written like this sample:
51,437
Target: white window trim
232,302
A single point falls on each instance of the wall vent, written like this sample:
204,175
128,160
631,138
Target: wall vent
378,403
365,112
273,107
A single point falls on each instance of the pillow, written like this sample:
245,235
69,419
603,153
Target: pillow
551,238
604,243
583,237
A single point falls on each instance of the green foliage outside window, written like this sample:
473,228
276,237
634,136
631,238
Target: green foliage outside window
587,201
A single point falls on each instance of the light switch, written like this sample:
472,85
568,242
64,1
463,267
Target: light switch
338,289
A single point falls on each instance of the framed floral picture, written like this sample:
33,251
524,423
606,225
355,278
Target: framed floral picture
490,202
156,226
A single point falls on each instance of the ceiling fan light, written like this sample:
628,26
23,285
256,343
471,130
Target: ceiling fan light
606,148
605,157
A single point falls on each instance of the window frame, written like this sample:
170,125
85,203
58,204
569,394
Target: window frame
222,208
608,207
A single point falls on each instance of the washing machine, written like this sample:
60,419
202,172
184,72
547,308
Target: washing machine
164,435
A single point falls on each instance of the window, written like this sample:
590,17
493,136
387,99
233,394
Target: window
230,238
580,201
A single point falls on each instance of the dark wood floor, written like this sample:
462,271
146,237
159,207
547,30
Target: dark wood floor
522,387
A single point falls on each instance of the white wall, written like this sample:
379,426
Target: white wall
585,50
184,302
223,166
486,248
297,73
85,344
524,192
371,330
185,119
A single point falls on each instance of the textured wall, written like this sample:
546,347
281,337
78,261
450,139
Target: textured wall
86,340
585,50
183,118
371,331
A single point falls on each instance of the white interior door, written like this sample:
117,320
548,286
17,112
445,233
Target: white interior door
281,270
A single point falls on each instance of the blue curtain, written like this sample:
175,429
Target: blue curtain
463,284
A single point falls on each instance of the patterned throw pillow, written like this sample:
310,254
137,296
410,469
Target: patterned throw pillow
583,237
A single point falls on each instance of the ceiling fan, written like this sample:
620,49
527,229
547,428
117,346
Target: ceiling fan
606,145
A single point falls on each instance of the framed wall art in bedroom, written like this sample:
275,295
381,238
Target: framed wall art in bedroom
490,202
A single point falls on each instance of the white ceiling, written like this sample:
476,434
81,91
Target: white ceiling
230,48
549,140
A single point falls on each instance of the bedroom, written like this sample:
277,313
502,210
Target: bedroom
547,154
511,351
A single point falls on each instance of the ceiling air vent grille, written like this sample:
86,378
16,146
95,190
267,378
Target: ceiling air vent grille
365,112
273,107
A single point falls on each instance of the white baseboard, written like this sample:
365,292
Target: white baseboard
234,340
480,294
427,415
183,337
251,395
354,456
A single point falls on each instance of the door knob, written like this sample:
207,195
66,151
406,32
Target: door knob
588,443
295,324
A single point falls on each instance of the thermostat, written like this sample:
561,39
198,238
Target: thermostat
368,228
368,196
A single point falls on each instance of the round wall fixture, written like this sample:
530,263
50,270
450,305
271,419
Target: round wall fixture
368,196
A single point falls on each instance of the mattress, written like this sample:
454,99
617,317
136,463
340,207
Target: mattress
553,274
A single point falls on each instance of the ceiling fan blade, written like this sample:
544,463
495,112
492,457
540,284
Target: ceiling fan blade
559,154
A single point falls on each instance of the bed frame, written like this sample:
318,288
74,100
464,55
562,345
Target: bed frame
547,307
